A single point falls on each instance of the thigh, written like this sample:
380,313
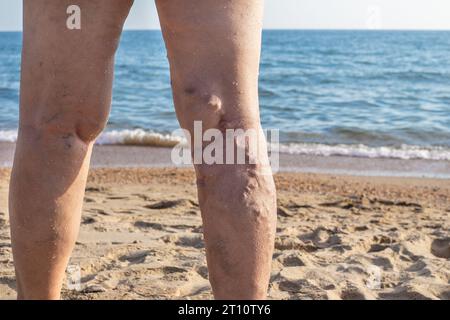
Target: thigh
67,74
214,51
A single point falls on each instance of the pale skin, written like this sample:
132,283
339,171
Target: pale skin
213,49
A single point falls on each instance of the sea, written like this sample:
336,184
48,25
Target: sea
362,94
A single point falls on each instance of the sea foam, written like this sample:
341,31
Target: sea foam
140,137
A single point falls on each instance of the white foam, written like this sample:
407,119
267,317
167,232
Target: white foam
8,135
139,137
118,137
405,152
154,139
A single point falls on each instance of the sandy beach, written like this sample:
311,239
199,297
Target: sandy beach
353,103
338,237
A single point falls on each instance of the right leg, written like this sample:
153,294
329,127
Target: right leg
65,98
214,51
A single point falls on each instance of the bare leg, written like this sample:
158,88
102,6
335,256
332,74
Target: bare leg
65,99
214,50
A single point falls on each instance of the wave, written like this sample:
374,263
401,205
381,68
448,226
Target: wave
8,135
136,137
139,137
405,152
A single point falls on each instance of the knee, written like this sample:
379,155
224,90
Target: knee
199,101
68,128
212,103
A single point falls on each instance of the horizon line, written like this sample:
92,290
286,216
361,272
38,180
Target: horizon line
290,29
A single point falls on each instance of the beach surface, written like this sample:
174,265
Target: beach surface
338,237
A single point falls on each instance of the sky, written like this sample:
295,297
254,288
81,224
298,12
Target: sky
299,14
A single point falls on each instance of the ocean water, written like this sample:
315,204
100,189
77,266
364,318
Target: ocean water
375,94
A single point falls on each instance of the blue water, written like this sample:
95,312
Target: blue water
362,93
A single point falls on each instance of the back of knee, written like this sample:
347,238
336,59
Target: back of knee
67,127
206,103
199,101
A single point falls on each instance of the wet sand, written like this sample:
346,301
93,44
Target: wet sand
120,156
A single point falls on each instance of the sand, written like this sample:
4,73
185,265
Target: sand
338,237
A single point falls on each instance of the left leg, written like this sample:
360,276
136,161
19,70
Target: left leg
65,98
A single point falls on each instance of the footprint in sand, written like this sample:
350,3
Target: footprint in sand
322,238
117,198
202,271
377,248
10,281
292,243
136,257
167,204
293,286
283,212
148,225
195,241
94,289
291,209
172,269
292,260
352,293
381,242
382,262
347,204
189,240
96,189
420,268
397,203
88,220
98,211
405,293
182,227
441,248
299,286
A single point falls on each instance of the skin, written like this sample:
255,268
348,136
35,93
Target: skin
213,49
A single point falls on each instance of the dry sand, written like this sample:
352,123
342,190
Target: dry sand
339,237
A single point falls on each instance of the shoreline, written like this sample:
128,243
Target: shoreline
126,156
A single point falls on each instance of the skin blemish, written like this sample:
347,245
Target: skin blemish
214,103
67,140
189,90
